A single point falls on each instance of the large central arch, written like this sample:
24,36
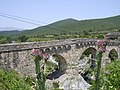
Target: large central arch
61,66
88,56
91,53
90,50
61,62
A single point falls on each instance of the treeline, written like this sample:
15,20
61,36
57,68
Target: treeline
7,39
47,37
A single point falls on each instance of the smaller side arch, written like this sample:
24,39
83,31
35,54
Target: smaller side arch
113,55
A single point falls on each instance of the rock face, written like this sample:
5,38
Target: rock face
73,83
71,80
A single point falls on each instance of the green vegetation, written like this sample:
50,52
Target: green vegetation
68,28
49,68
32,38
56,86
10,80
22,38
41,78
5,39
75,26
110,77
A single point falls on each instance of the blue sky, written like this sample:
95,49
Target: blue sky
48,11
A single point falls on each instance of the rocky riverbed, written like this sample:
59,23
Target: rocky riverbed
71,80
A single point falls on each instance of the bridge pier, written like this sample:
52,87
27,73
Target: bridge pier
119,52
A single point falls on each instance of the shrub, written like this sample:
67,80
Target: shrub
109,79
10,80
112,79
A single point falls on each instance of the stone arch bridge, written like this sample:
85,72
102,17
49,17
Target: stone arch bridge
18,55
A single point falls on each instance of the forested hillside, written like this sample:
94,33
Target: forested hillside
71,26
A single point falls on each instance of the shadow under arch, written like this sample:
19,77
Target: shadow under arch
61,67
88,61
113,55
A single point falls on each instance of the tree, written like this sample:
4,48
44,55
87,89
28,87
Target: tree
22,38
85,32
4,40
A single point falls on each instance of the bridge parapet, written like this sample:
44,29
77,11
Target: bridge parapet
114,43
50,44
31,45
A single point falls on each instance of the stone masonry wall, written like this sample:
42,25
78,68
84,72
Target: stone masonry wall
18,55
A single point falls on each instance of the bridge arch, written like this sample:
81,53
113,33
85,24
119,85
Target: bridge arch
88,51
60,66
113,54
61,61
87,63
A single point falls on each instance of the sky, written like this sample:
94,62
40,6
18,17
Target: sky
49,11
